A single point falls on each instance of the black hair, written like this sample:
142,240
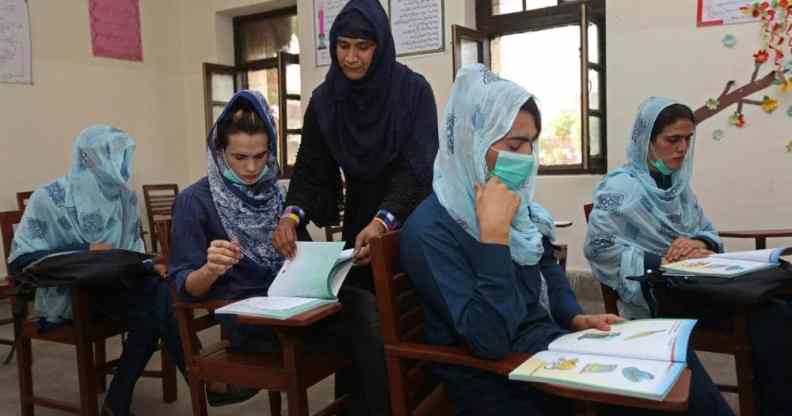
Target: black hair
242,119
671,115
531,108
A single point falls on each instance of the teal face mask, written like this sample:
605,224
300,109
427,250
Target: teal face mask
513,169
661,167
229,174
658,164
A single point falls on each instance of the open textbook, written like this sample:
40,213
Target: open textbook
312,278
736,263
641,358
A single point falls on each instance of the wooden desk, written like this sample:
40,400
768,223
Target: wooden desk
760,236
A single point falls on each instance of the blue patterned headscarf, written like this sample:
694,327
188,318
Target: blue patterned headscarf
632,216
249,214
92,204
480,111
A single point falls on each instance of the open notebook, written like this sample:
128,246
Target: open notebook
641,358
312,278
727,265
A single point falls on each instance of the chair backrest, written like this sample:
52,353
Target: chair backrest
587,210
413,389
22,199
609,296
159,205
8,220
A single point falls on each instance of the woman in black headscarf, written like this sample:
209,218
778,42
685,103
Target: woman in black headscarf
374,119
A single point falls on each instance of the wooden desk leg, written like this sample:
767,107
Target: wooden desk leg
761,243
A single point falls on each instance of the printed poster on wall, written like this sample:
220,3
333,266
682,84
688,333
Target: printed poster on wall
115,29
722,12
15,56
325,12
417,26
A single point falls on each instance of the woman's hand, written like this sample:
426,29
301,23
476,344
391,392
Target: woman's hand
601,321
682,248
221,256
362,253
284,239
496,206
100,247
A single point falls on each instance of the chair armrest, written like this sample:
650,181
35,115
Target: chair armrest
304,319
209,305
456,356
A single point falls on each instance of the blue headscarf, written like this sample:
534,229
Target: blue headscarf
92,204
367,123
481,111
632,216
249,214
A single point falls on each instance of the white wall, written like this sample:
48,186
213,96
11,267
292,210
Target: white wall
742,182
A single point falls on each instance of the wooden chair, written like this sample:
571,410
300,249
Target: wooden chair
159,205
733,341
292,370
87,335
10,218
22,199
413,390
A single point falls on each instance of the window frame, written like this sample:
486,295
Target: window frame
566,13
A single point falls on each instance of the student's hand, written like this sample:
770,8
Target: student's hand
362,253
221,256
284,239
681,248
100,247
601,321
496,205
162,270
699,253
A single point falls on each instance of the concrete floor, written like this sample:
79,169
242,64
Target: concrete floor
55,375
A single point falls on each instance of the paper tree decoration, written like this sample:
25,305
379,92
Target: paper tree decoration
776,44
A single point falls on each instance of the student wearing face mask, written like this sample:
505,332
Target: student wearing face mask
645,214
222,245
478,251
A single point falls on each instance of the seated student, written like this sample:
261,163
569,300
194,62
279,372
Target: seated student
645,214
222,240
93,209
478,251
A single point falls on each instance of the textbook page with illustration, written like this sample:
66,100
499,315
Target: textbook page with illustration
641,358
728,265
310,279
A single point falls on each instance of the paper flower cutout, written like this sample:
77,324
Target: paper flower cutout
729,41
789,147
718,135
769,104
737,119
756,9
712,103
789,111
788,65
761,56
785,85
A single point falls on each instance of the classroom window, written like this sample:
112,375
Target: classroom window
266,50
556,50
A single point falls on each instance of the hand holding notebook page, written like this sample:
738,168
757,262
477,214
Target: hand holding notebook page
310,279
